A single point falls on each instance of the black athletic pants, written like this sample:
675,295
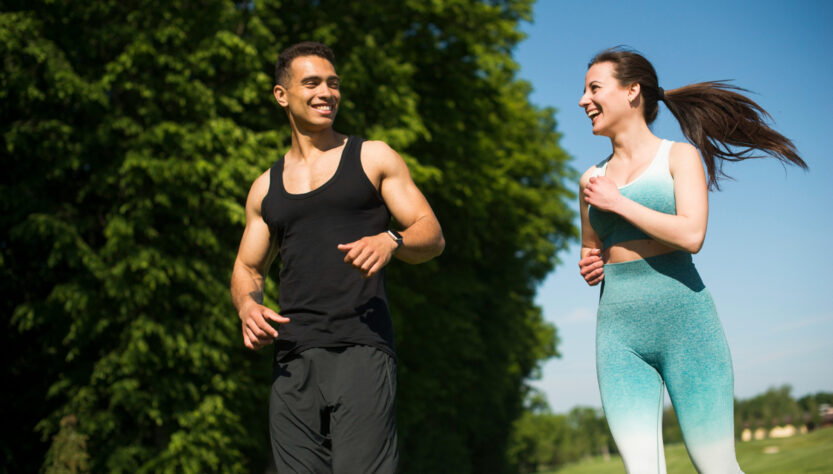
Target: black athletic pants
332,411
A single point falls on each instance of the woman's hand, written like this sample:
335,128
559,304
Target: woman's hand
590,264
591,267
601,192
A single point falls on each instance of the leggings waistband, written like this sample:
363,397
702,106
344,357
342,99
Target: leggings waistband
660,276
662,263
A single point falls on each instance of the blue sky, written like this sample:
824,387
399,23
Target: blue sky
767,257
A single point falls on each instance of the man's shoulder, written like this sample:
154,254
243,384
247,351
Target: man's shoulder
377,148
260,186
379,159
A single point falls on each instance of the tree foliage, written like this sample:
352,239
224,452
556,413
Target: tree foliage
68,452
131,132
811,406
777,407
543,441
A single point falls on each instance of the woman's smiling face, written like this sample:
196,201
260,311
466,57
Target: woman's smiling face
605,101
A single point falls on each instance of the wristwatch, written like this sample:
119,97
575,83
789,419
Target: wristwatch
396,237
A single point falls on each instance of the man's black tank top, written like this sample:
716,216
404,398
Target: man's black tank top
327,300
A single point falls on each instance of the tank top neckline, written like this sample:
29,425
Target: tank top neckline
324,186
662,148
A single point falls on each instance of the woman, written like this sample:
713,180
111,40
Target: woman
643,213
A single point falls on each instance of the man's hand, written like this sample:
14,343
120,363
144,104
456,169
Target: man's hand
369,254
257,332
591,267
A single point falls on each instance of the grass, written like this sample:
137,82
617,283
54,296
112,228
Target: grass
810,453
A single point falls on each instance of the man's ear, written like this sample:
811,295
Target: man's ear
281,95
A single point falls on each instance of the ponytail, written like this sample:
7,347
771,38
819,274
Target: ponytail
713,116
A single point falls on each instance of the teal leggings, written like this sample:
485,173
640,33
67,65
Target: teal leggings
656,326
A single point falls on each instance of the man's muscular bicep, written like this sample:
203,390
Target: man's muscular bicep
257,245
405,201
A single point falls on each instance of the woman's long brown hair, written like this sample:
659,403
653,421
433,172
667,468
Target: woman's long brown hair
722,123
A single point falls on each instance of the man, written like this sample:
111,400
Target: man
326,208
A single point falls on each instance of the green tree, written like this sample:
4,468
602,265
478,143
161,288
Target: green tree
128,135
592,434
774,407
810,405
131,133
543,441
540,439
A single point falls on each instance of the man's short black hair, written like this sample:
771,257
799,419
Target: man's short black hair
306,48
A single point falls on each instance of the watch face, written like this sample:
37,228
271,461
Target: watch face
396,237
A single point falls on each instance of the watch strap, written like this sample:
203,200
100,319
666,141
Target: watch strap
396,237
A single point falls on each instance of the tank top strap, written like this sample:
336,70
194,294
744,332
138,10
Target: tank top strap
601,167
352,155
662,155
352,171
276,175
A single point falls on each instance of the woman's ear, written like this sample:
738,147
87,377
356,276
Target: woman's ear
633,91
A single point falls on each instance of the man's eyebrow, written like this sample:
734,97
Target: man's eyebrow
310,78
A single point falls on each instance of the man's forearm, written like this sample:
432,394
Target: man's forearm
246,286
421,241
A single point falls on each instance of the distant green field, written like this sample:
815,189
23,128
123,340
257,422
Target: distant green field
810,453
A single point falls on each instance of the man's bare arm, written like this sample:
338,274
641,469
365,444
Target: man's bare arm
422,237
250,267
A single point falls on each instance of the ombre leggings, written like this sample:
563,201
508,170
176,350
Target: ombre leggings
657,325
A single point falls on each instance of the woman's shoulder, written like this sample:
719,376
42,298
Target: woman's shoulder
684,158
595,170
682,153
681,148
585,178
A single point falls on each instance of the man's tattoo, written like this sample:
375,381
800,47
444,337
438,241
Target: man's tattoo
257,294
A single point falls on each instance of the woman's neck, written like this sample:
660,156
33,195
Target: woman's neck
634,142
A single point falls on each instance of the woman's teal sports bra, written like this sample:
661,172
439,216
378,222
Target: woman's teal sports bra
654,189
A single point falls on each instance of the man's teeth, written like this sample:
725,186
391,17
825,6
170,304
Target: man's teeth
593,113
323,107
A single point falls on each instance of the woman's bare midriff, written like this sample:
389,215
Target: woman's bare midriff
634,250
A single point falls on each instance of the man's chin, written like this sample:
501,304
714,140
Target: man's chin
317,126
321,127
